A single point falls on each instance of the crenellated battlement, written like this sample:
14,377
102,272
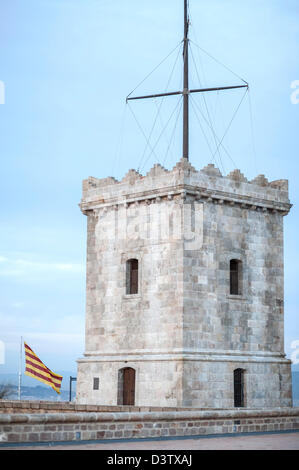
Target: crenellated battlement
206,184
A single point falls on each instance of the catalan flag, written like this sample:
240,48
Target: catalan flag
36,368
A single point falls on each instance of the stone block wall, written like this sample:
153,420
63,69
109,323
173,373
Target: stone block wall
254,319
28,428
210,383
184,333
45,407
164,388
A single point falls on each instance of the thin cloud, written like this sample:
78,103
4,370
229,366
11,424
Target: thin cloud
10,267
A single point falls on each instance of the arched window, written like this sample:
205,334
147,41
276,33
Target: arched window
239,388
132,276
126,386
235,268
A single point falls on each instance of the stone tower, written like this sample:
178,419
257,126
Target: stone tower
184,297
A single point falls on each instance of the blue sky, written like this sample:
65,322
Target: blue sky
67,67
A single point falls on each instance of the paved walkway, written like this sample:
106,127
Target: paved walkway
283,441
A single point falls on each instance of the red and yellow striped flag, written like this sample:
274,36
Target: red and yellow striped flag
36,368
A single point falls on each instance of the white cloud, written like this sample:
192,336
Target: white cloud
17,304
47,343
22,267
61,340
53,323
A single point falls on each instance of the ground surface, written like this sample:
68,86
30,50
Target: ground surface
283,441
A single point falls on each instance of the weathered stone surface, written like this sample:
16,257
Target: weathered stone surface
183,333
86,426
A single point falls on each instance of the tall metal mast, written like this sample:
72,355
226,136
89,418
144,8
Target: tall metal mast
186,92
186,84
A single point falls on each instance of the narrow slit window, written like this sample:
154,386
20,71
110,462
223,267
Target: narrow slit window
96,383
132,276
235,276
239,388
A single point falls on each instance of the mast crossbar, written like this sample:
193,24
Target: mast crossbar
159,95
198,90
202,90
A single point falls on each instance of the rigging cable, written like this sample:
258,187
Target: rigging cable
158,110
231,120
174,129
218,62
140,127
204,134
162,125
223,65
208,124
155,69
157,141
208,114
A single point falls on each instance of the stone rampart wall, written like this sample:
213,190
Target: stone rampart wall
84,426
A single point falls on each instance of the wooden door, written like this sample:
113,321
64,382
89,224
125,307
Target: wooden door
129,386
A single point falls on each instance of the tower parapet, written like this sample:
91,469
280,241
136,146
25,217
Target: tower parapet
234,188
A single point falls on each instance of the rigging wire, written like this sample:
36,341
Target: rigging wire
200,60
202,86
208,113
141,129
234,115
155,69
174,129
249,95
218,62
209,121
216,106
199,105
162,125
222,119
159,109
157,141
208,124
204,134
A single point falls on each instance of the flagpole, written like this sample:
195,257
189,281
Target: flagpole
20,369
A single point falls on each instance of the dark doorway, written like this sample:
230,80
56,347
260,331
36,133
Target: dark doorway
126,386
239,388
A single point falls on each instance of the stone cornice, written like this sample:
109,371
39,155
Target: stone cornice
188,355
186,193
